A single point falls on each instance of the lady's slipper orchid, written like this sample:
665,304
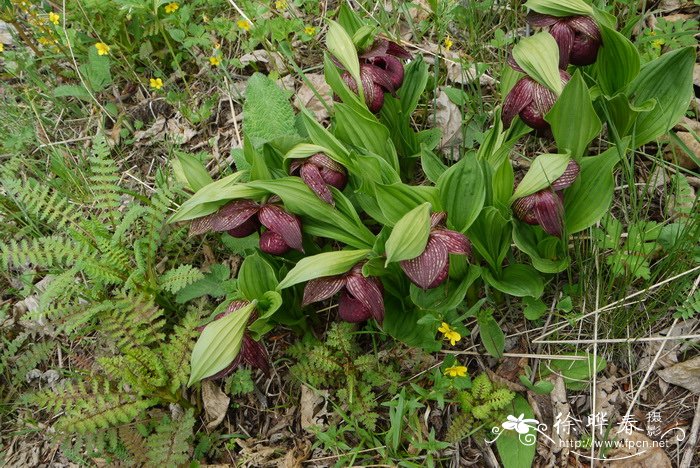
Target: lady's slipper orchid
360,296
318,172
431,268
380,71
546,207
578,37
252,352
241,218
530,100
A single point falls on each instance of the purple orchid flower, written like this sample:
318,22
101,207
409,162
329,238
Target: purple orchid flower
431,268
252,352
530,100
546,207
578,37
380,71
241,218
318,172
360,296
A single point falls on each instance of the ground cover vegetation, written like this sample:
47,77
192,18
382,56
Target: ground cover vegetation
349,233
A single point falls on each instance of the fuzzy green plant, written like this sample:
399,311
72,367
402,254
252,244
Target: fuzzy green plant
339,364
480,408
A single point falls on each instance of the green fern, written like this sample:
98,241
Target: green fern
169,446
46,252
43,203
104,179
176,279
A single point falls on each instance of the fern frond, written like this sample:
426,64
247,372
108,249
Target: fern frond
133,321
9,349
105,411
169,446
141,368
177,278
30,358
104,178
176,353
46,252
43,203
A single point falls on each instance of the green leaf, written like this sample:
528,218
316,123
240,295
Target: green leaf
462,192
304,150
446,297
216,283
341,223
531,240
72,91
513,452
538,55
534,308
97,71
190,171
321,265
618,61
219,344
545,169
410,235
269,303
340,44
432,165
491,334
589,198
409,328
517,280
267,111
396,200
256,277
364,131
490,235
573,119
415,79
560,7
668,80
211,197
577,373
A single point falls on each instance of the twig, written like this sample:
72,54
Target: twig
689,451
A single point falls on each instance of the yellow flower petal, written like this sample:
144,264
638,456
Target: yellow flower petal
456,371
102,48
54,17
214,61
171,7
448,43
310,30
156,83
244,24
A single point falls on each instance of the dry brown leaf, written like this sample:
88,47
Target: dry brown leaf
273,60
669,354
175,129
685,374
448,118
313,407
305,97
639,454
215,403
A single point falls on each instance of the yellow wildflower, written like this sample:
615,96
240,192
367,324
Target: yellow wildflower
449,333
2,47
456,371
244,24
310,30
102,48
281,4
217,45
215,61
54,17
656,44
448,43
171,7
156,83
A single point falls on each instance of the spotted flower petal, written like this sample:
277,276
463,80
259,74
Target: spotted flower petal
233,215
585,25
549,211
351,310
539,20
311,176
568,177
564,35
321,160
455,242
426,267
254,354
518,99
378,76
285,224
320,289
383,47
273,243
368,291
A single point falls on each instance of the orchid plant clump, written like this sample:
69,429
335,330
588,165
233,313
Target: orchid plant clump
336,212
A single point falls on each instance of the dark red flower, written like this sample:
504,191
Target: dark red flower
241,218
360,296
318,172
578,37
252,352
530,100
546,207
380,71
430,268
